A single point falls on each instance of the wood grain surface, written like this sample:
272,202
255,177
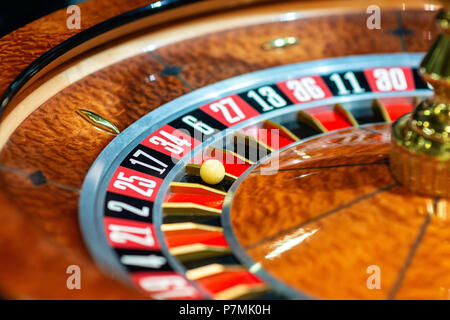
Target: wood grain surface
41,35
43,164
338,212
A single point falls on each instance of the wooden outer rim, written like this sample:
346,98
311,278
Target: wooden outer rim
39,226
61,73
21,47
58,75
49,40
46,34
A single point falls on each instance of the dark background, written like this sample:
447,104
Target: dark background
17,13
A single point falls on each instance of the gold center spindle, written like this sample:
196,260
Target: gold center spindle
420,153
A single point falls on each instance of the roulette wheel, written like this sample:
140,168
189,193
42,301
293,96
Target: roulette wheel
227,150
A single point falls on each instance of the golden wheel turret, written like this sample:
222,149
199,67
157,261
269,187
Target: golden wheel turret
420,155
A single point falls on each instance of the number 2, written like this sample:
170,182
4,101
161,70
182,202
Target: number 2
118,206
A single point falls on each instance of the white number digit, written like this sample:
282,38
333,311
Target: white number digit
174,139
175,146
118,206
272,97
150,261
265,107
198,125
382,80
298,90
313,89
167,145
123,234
221,107
340,85
398,79
350,77
342,90
167,287
139,153
123,183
